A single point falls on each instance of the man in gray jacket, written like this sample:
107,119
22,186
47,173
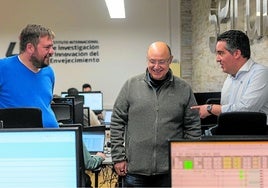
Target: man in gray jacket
150,109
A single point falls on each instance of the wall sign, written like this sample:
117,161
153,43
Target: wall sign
76,51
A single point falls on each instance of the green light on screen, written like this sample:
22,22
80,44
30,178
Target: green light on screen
242,174
187,165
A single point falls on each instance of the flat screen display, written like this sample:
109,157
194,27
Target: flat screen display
229,163
93,100
39,158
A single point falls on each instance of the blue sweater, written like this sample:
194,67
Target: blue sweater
20,87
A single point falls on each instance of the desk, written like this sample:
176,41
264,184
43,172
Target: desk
105,173
108,160
105,177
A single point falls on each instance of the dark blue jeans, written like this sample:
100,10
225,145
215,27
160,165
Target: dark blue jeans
134,180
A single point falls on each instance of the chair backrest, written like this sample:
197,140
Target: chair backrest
213,101
21,118
241,123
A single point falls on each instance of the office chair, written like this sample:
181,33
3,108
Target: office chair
21,118
213,101
241,123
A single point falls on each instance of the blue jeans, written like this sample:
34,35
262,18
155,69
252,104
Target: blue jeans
135,180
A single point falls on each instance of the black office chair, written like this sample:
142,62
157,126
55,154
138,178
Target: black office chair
21,118
213,101
241,123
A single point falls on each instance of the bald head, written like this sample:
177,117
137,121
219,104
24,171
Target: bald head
159,58
158,49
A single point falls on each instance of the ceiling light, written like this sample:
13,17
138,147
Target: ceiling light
116,8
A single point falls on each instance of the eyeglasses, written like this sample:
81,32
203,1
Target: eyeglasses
160,62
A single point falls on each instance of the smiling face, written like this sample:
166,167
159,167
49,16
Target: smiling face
42,52
159,59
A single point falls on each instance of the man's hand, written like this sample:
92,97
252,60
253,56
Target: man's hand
203,113
121,168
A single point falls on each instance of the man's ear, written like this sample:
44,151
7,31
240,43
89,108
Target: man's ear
237,54
30,48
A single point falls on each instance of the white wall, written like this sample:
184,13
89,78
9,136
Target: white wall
123,43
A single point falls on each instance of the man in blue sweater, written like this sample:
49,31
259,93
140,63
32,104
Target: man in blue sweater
27,80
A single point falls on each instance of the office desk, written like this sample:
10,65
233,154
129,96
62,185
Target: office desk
108,160
105,176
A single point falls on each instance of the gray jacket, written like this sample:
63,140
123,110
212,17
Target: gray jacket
147,118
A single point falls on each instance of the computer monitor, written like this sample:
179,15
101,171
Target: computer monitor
107,116
64,93
94,138
202,97
77,107
238,161
40,157
93,100
64,109
21,118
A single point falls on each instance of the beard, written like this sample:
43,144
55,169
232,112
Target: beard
40,62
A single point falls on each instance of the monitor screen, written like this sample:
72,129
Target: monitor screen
64,109
237,162
93,100
201,98
94,138
39,158
107,116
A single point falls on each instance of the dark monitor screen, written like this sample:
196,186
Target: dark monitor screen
202,97
21,118
64,109
219,162
40,158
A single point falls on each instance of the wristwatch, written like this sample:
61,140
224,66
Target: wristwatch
209,109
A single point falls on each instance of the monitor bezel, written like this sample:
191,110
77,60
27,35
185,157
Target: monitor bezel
214,138
78,139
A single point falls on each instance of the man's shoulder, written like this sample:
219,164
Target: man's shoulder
8,59
261,67
9,63
137,77
180,81
48,69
